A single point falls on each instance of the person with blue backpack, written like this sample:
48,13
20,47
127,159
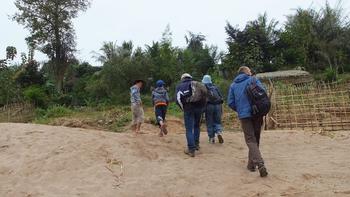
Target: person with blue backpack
191,97
160,101
247,96
213,111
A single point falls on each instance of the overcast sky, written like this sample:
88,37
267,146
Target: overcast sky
143,21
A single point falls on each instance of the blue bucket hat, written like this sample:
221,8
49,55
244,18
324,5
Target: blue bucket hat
206,79
160,83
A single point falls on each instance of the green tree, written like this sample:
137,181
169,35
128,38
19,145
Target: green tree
331,28
317,39
51,29
198,58
77,80
299,40
119,71
28,75
11,52
108,52
9,91
254,46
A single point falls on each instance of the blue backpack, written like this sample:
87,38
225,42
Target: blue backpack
258,99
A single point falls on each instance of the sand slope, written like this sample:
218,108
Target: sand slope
38,160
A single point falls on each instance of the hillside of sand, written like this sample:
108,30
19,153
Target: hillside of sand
38,160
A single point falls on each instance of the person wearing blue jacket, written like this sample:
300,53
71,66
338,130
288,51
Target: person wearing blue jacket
160,101
239,102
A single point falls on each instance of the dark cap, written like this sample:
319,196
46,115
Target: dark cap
138,81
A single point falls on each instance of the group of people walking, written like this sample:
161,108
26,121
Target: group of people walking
198,98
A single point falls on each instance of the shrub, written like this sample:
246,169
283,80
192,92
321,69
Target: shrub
36,95
57,111
174,110
223,85
29,75
330,74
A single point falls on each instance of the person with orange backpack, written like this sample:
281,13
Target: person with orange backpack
160,100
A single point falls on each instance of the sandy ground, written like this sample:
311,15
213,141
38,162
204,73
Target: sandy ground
38,160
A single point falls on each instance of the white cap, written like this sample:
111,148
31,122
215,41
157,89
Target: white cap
186,75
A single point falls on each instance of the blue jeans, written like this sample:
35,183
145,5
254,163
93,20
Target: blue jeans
213,115
192,123
160,112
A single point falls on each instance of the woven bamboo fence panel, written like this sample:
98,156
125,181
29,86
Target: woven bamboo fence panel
17,112
324,106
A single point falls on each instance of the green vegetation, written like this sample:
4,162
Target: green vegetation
51,30
315,40
106,118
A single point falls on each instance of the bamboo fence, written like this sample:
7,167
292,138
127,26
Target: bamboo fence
17,112
312,106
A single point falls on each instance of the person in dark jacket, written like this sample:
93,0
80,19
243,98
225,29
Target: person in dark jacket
213,111
192,113
160,100
239,102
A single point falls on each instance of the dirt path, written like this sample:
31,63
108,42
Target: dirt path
38,160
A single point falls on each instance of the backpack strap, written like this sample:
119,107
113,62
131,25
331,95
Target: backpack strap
253,80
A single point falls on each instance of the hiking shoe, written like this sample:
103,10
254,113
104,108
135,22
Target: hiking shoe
189,152
263,171
220,138
198,147
211,140
160,134
164,130
251,168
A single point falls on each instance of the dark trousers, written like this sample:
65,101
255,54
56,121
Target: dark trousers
192,123
160,112
252,130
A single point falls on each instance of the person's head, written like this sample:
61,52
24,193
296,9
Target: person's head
160,83
245,69
206,79
139,83
186,76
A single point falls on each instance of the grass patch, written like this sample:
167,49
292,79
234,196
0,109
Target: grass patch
112,118
46,116
175,110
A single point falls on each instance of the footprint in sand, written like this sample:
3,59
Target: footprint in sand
4,147
308,176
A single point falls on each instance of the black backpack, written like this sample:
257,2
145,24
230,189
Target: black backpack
258,99
214,96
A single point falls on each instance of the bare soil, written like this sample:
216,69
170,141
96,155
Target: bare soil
37,160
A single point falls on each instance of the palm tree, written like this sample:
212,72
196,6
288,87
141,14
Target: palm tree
11,52
109,52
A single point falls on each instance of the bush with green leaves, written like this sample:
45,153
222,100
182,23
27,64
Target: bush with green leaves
29,74
10,92
330,75
36,95
57,111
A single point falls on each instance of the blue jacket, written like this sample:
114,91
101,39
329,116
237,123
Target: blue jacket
237,98
160,96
